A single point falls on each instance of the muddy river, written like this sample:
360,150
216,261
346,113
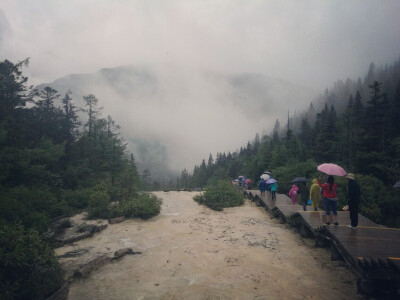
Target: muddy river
192,252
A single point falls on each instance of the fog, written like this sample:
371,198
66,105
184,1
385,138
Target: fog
173,117
195,53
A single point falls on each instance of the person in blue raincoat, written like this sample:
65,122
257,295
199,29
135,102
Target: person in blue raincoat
262,185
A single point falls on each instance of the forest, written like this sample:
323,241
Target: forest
354,124
53,165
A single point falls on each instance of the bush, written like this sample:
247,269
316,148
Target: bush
98,206
144,206
77,199
28,266
220,195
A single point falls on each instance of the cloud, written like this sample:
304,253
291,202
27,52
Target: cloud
308,42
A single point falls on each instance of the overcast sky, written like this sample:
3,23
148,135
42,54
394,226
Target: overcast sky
312,43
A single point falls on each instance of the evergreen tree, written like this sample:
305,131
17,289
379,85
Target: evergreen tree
70,123
275,132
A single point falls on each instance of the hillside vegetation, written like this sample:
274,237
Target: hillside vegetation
51,165
355,124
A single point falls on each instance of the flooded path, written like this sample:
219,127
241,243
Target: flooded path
192,252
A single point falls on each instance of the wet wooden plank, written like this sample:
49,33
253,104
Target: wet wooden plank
315,218
369,240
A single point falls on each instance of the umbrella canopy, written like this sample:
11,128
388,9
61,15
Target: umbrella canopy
241,176
267,172
271,180
236,180
331,169
397,185
248,180
265,176
299,179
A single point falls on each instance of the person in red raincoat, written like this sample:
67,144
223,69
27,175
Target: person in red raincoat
293,193
329,193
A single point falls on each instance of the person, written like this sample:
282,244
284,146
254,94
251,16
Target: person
293,193
353,195
315,194
331,199
274,188
304,193
262,185
248,184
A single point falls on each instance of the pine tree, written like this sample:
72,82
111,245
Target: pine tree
92,111
70,123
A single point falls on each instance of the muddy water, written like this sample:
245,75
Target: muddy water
191,252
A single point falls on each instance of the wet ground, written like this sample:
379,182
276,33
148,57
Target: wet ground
192,252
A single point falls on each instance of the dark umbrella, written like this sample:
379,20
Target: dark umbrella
299,179
397,185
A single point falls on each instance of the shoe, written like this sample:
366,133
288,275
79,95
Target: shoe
352,227
336,225
328,223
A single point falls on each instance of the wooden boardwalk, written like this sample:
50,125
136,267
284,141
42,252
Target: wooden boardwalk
371,250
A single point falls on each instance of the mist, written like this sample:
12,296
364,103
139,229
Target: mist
173,117
200,77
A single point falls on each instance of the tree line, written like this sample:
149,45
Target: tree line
355,124
52,164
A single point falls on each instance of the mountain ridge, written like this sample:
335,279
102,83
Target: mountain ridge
189,112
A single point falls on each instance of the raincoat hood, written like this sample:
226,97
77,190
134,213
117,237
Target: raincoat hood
294,187
314,181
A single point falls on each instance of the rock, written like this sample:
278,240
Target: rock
74,253
60,294
123,252
93,264
68,240
84,231
116,220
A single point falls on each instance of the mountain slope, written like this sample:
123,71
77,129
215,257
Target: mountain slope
173,117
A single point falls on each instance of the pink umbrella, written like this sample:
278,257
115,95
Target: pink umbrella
332,169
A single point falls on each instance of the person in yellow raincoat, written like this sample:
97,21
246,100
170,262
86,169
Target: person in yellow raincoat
315,194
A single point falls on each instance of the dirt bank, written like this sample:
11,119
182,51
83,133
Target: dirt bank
191,252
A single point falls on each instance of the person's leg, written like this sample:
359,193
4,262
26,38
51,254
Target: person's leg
354,214
334,210
328,212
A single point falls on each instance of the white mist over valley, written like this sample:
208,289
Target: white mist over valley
172,117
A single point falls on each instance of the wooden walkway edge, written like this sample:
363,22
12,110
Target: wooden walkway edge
372,251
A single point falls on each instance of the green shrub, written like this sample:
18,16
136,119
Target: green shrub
144,206
98,205
28,267
220,195
77,199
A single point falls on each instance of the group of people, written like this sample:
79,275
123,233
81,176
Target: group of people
243,181
327,193
272,187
